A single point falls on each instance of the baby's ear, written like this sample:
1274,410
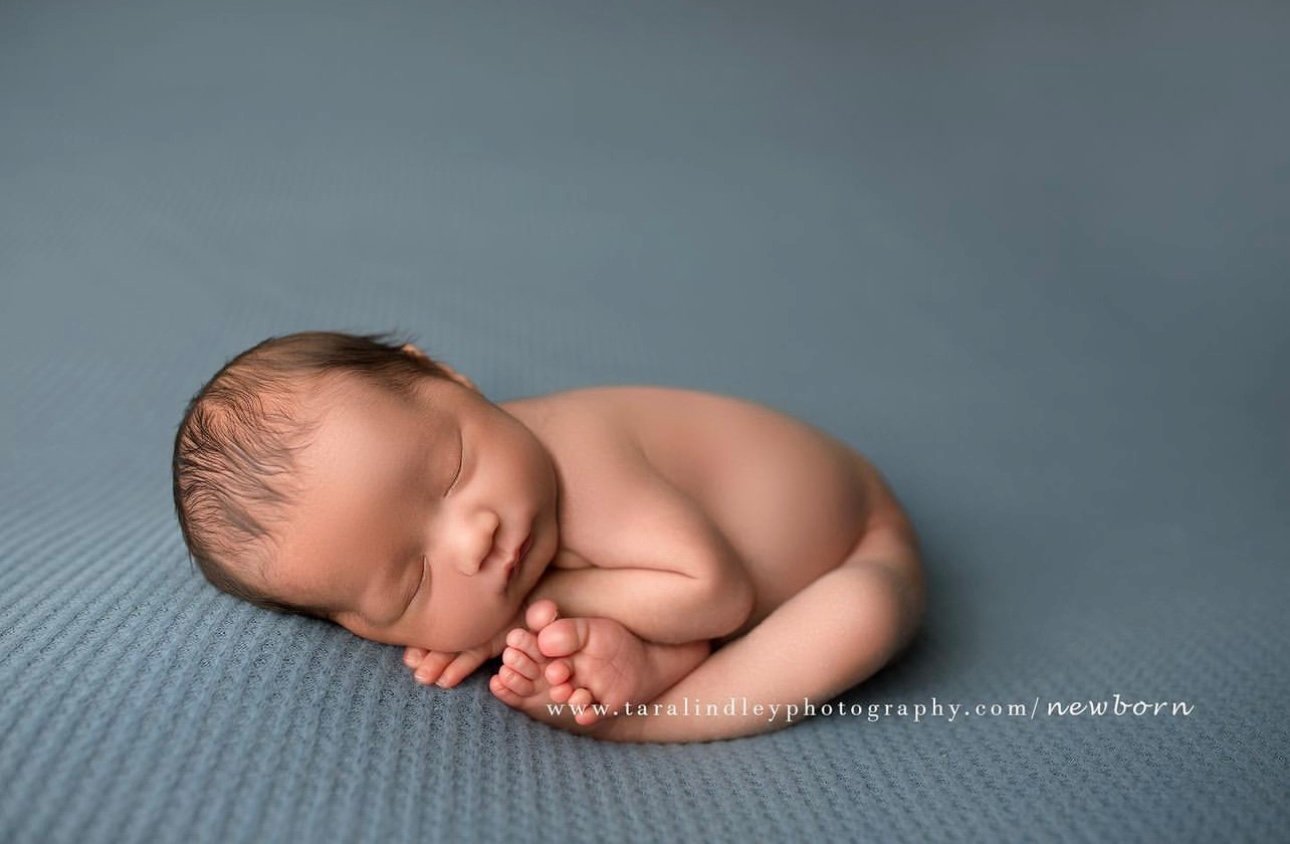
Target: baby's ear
459,378
410,349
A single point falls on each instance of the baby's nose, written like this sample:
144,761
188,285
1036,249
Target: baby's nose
469,563
471,558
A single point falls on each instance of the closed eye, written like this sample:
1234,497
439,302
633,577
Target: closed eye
461,461
420,584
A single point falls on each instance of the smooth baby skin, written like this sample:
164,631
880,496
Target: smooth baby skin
837,586
696,546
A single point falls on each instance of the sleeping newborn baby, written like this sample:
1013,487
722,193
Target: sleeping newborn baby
636,555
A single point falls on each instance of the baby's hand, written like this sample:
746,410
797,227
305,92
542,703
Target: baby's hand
444,668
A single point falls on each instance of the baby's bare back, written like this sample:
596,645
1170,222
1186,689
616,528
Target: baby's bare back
790,499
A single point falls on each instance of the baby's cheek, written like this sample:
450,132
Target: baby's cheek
459,630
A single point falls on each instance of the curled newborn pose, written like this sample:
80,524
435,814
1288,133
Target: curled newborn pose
638,551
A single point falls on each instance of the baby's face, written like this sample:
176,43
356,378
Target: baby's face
411,516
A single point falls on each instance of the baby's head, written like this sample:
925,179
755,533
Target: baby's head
353,479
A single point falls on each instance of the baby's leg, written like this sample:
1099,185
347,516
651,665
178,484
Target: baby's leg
825,639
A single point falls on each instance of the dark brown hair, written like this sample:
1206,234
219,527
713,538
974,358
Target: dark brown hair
234,467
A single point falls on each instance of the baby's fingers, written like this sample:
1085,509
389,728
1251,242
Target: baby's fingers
433,665
459,669
412,656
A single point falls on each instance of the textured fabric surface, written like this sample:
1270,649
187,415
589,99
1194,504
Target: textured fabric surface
1030,259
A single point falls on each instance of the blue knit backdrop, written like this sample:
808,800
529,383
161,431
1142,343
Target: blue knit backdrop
1030,258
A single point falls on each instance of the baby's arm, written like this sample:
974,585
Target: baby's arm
664,570
707,601
638,618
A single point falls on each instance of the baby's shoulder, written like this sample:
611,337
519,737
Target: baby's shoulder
616,500
588,422
595,443
600,422
631,414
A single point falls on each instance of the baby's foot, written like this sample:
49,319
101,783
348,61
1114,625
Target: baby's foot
521,681
594,665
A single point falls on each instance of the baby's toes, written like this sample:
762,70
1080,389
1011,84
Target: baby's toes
559,671
524,664
540,613
564,637
504,693
412,656
583,698
515,681
560,693
526,643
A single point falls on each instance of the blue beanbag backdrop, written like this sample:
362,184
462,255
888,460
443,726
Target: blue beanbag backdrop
1030,259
